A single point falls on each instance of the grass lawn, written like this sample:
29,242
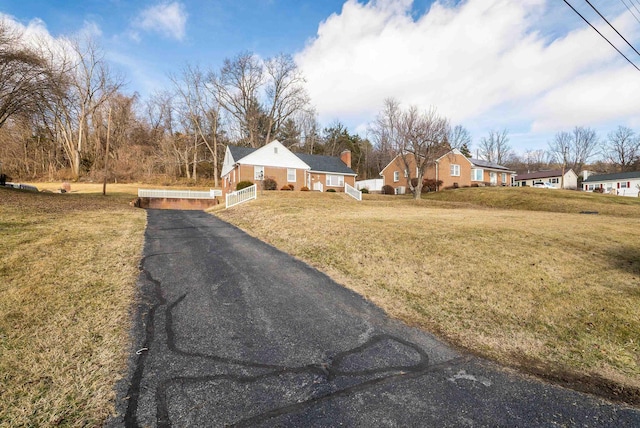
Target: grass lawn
67,283
517,275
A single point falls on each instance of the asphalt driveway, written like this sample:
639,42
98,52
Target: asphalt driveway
232,332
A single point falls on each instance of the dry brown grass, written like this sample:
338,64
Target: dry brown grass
549,292
67,275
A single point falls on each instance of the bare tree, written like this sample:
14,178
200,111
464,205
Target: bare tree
622,148
237,88
384,132
459,137
535,160
203,111
90,84
585,143
284,91
495,148
25,77
574,149
423,138
561,148
417,137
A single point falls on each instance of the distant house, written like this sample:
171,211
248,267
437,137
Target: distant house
276,162
452,168
621,184
553,177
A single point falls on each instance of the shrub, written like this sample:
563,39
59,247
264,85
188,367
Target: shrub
243,185
428,184
287,187
388,190
269,184
331,190
364,190
598,190
304,189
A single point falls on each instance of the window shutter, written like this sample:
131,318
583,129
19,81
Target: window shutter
628,185
618,185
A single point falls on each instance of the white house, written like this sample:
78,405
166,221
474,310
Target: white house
553,177
621,184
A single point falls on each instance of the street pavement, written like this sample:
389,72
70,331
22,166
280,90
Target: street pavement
232,332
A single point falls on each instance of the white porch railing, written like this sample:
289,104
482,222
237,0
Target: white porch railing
240,196
353,192
179,194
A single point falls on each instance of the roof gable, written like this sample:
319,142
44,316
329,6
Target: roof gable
454,152
320,163
273,154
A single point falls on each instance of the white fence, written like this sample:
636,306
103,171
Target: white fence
240,196
373,184
353,192
179,194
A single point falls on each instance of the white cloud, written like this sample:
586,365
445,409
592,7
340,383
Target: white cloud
168,19
476,61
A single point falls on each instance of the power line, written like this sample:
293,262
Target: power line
634,3
601,35
631,11
614,28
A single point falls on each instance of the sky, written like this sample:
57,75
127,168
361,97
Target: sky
532,67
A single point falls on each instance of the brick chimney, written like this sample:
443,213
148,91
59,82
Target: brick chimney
345,156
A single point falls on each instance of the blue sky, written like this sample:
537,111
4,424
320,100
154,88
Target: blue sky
531,66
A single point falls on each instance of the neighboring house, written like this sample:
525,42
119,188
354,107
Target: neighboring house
622,183
277,162
452,168
553,177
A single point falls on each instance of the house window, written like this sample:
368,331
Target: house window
396,176
335,180
504,178
275,150
291,175
477,174
590,186
258,173
554,180
454,170
623,185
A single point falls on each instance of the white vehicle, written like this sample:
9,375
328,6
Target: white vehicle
541,185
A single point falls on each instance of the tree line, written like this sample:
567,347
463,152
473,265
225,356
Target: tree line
60,103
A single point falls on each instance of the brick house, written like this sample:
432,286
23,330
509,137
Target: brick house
277,162
452,168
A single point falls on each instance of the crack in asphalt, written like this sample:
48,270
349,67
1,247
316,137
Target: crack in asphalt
329,370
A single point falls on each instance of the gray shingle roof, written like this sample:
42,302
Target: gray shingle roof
616,176
325,163
485,164
239,152
540,174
